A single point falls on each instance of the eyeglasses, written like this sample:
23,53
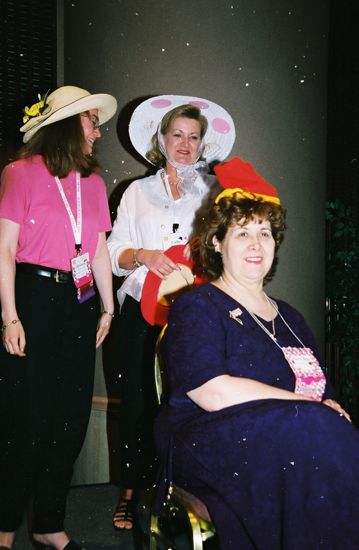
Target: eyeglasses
94,121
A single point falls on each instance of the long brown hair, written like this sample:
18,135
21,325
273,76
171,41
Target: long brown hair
61,146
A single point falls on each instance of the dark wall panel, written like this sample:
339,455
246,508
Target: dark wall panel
266,62
343,105
27,62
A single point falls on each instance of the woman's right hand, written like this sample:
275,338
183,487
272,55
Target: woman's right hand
157,262
337,408
13,337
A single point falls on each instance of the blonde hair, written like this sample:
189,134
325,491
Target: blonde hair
154,155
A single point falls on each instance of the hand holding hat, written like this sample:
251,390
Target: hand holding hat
158,294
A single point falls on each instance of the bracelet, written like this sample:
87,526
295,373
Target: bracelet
4,327
135,261
108,313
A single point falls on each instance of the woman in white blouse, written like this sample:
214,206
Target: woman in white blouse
155,213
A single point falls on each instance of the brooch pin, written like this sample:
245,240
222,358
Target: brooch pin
235,314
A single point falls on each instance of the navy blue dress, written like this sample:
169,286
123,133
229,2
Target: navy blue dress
274,474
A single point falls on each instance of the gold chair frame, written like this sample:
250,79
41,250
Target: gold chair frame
195,510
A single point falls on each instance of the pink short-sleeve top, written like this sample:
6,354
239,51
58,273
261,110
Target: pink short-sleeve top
29,196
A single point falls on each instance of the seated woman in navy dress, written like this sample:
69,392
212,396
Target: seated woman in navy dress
252,426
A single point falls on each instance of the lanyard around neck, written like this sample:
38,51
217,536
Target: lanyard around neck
264,328
75,224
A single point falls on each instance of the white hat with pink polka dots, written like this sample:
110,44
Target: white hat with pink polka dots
218,140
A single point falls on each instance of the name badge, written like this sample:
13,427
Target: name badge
173,239
83,277
309,377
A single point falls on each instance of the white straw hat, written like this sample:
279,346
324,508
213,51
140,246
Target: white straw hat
68,101
218,140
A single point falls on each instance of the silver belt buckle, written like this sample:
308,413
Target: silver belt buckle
57,277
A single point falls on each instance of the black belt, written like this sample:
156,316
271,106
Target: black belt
57,275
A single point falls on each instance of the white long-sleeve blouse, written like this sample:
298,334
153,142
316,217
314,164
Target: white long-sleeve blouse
146,218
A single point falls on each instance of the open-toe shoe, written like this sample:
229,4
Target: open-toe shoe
125,513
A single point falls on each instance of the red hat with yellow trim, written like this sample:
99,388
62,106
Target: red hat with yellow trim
237,177
159,294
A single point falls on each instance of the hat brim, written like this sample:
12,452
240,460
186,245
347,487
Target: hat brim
154,310
105,104
218,140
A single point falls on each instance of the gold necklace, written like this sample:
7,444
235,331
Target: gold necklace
272,333
167,178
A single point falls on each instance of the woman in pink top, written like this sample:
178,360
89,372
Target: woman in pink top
53,259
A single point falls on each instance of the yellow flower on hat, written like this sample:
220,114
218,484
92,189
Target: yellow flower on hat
36,109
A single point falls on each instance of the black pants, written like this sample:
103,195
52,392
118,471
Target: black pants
45,401
138,403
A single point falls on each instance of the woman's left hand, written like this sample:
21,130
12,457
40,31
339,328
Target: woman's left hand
103,328
336,407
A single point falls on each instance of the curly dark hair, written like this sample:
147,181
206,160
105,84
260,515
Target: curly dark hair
61,146
188,111
228,212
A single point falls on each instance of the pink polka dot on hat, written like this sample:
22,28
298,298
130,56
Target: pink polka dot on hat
218,140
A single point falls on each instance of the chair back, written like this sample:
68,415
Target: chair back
196,511
161,380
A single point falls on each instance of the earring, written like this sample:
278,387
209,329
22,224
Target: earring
215,243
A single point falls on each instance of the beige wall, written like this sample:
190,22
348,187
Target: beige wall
265,61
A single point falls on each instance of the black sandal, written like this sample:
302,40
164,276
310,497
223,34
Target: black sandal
125,512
